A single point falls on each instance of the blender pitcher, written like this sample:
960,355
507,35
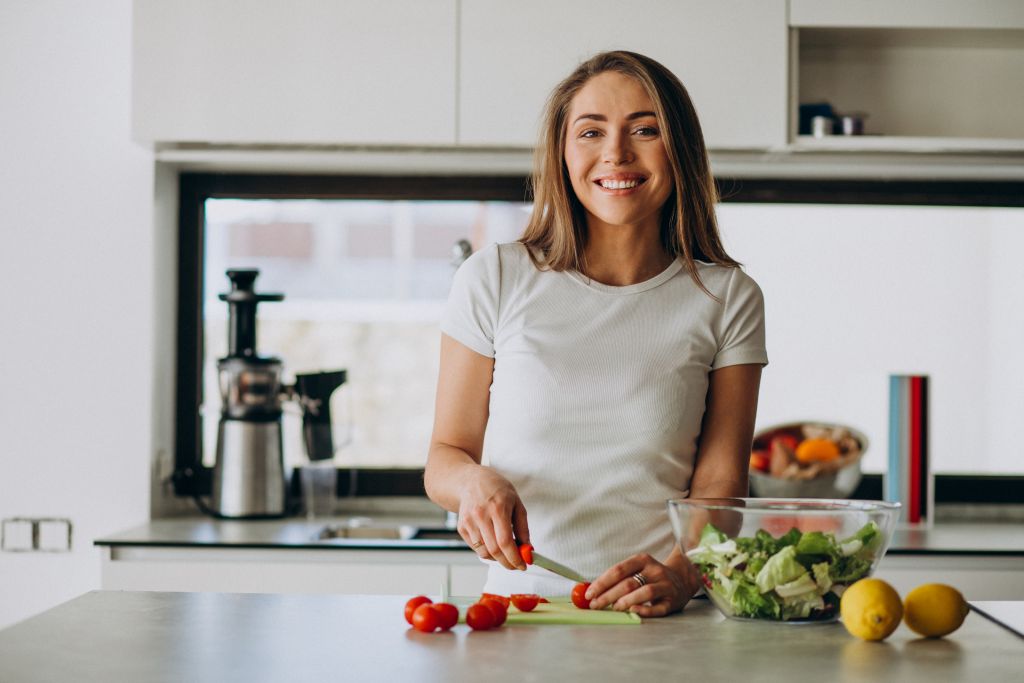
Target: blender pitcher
319,477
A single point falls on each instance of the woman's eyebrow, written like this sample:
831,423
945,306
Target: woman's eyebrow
602,117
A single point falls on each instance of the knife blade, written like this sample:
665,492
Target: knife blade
531,556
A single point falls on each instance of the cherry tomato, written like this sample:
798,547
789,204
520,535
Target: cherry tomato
448,615
579,595
525,602
526,552
479,617
500,610
413,603
425,618
497,598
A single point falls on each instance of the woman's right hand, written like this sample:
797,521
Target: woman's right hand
492,519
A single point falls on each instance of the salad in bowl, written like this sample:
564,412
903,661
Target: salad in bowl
786,560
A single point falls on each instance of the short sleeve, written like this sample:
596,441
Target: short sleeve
470,317
742,336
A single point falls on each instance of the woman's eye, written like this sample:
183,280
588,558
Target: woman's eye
646,131
589,133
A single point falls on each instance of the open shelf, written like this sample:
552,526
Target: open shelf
922,90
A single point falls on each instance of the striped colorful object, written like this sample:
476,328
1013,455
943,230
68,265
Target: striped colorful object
908,480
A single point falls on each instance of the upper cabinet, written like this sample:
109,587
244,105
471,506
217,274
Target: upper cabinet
942,75
938,76
299,72
730,54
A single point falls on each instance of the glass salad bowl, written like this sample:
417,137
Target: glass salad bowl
781,559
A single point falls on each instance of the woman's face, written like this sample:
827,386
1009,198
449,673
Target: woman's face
615,153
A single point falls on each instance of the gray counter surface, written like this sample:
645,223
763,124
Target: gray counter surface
123,636
968,538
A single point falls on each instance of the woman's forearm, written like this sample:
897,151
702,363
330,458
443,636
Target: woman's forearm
446,473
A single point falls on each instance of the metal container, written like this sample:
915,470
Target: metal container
822,126
851,124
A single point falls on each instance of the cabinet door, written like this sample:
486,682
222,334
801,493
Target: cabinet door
295,71
980,14
730,54
244,570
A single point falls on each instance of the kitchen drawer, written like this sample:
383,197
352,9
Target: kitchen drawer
274,571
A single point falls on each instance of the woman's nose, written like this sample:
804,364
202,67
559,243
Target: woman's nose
617,150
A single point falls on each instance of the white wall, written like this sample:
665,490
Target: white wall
76,282
855,293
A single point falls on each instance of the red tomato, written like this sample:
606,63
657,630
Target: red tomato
497,598
500,610
579,595
525,602
425,618
448,615
759,460
544,600
479,617
526,552
413,603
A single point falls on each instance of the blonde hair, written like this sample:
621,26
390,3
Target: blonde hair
557,230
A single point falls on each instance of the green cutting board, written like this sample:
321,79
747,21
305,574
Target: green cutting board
557,612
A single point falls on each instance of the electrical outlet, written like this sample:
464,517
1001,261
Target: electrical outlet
35,534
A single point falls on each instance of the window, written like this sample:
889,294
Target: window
365,282
889,277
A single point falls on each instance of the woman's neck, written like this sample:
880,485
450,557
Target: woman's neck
621,255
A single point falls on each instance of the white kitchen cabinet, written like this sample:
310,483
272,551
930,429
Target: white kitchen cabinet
248,570
403,572
297,72
731,55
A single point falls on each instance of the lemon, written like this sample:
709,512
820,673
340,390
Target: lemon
871,609
934,610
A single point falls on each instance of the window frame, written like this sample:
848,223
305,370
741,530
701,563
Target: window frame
191,478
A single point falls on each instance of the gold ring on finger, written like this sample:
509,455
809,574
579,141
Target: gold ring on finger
640,579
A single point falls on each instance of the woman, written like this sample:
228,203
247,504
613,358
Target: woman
612,355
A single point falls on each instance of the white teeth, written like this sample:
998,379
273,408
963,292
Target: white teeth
619,184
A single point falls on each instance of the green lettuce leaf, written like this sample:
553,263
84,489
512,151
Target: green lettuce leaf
849,569
816,544
748,601
780,568
800,606
709,535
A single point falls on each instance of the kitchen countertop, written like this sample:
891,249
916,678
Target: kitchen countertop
126,636
947,538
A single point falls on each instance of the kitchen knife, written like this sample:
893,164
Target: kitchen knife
531,556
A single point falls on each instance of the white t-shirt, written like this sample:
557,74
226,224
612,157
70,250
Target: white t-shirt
597,397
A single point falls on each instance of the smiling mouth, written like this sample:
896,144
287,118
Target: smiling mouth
620,183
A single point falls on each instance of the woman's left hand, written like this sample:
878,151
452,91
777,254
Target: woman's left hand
643,585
